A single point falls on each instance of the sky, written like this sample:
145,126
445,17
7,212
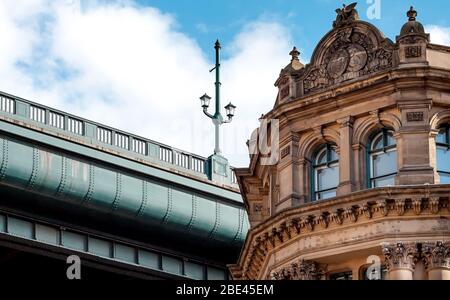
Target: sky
141,65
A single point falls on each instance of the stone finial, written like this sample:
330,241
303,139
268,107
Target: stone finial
412,26
412,14
294,53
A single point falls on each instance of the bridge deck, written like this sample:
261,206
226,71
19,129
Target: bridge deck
102,175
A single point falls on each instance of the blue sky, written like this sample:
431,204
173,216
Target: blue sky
140,65
307,20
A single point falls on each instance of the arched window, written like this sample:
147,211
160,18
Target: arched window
443,154
326,173
382,159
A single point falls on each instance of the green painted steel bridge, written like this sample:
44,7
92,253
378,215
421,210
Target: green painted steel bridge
126,205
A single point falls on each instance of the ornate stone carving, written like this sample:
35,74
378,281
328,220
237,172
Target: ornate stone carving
323,220
285,151
410,40
337,217
302,270
308,223
258,207
307,270
346,14
351,214
413,51
276,235
436,255
295,224
433,204
366,209
284,92
417,205
338,63
358,58
352,54
400,206
415,116
400,255
383,207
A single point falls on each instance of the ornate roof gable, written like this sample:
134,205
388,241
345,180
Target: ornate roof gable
352,49
347,52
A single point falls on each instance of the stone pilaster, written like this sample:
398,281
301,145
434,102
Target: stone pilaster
346,157
288,170
413,142
400,259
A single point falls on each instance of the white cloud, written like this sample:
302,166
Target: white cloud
439,34
133,68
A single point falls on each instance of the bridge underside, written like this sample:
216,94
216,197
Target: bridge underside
18,263
39,233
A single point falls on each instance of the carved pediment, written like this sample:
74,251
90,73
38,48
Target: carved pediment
347,52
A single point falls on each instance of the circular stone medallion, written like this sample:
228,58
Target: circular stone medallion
338,63
358,57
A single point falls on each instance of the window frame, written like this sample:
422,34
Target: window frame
371,152
446,144
347,274
315,192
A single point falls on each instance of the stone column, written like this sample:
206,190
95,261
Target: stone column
346,157
436,257
399,258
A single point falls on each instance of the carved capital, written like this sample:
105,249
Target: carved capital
436,255
375,115
308,270
346,122
400,255
302,270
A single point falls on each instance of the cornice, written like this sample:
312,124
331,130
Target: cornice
379,203
386,83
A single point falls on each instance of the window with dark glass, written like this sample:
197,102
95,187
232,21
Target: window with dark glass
326,173
443,154
342,276
382,159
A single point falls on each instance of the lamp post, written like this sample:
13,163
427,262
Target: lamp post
217,118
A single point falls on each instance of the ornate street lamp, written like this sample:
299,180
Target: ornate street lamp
205,101
217,118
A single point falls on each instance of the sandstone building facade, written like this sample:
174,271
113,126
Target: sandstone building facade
363,174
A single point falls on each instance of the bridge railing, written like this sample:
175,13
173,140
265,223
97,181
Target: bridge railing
104,136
